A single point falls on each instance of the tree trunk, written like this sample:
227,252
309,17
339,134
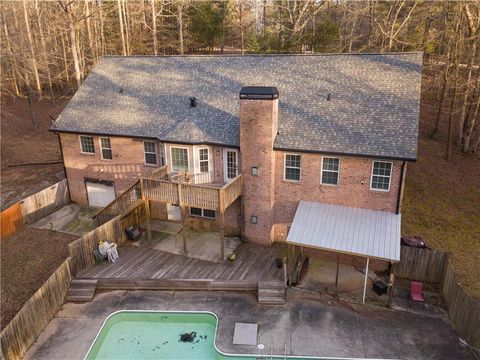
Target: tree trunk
14,61
127,29
65,61
242,31
180,26
73,49
45,54
476,115
32,51
443,94
452,103
120,20
154,27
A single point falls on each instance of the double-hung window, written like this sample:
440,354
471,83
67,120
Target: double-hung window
86,144
381,175
330,170
150,149
203,159
292,167
202,212
106,148
179,159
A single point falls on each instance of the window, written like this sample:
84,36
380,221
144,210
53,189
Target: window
179,159
86,144
203,156
292,167
106,148
381,175
202,212
330,169
150,152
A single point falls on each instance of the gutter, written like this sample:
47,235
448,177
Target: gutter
401,188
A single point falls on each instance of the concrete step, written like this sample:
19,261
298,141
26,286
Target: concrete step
271,292
271,300
81,290
271,284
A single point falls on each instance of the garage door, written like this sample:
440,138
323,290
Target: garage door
100,195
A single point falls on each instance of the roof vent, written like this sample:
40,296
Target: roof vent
329,97
121,90
193,101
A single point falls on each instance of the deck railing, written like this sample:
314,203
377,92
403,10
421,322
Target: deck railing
160,173
191,195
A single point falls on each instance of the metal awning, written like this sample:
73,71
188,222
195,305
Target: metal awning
354,231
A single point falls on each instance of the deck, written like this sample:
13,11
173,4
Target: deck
253,263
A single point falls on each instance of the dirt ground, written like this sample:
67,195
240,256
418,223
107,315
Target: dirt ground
442,199
20,143
28,258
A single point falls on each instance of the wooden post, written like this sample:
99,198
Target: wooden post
221,200
391,284
366,279
336,276
149,223
184,218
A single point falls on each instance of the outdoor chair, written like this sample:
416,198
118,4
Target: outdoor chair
416,291
134,232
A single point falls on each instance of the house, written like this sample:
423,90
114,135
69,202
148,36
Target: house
318,139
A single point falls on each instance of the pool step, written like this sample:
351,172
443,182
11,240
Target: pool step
271,292
82,290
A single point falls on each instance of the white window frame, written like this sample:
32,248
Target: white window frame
148,152
285,167
225,163
203,213
331,171
188,156
81,148
102,148
200,160
389,177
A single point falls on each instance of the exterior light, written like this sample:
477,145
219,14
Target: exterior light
254,219
255,170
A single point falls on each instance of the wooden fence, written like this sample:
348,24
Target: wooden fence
11,220
34,316
45,202
435,266
420,264
81,250
232,190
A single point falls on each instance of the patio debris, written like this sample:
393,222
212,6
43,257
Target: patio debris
188,337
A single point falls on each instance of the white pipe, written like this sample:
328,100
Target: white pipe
366,278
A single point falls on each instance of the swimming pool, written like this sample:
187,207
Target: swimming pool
133,334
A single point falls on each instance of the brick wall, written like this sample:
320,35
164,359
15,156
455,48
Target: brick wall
353,188
258,124
126,166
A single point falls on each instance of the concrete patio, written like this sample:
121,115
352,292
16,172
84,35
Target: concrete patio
309,324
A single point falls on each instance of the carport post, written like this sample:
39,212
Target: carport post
336,276
366,278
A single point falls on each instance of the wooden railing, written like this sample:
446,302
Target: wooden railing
121,205
232,191
160,173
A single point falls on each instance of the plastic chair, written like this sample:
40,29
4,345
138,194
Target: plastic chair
416,291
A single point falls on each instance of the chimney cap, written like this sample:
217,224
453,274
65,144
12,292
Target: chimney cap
259,93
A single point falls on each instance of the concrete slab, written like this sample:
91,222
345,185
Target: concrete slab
201,244
307,325
70,219
245,334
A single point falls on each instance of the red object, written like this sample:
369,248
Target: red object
416,291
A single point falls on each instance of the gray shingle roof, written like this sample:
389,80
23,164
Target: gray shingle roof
373,111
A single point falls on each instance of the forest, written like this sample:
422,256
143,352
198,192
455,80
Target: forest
48,47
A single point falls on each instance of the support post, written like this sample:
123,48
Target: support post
365,283
184,218
392,283
149,221
336,275
221,200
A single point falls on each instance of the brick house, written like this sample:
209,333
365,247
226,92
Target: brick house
331,129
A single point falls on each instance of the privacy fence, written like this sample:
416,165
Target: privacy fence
34,207
435,266
34,316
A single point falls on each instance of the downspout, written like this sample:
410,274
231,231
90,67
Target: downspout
401,188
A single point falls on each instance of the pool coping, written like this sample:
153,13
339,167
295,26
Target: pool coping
253,356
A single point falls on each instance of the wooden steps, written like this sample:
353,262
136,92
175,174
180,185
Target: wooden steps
82,290
271,292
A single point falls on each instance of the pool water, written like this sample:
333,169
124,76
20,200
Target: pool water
130,334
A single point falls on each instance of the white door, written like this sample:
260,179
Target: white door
99,195
230,164
174,212
202,164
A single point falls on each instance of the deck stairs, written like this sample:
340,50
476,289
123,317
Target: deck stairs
82,290
272,292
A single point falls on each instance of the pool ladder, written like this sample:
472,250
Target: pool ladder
284,351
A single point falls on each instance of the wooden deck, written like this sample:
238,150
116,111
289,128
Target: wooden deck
253,263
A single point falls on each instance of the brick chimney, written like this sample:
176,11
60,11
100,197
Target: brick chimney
258,129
